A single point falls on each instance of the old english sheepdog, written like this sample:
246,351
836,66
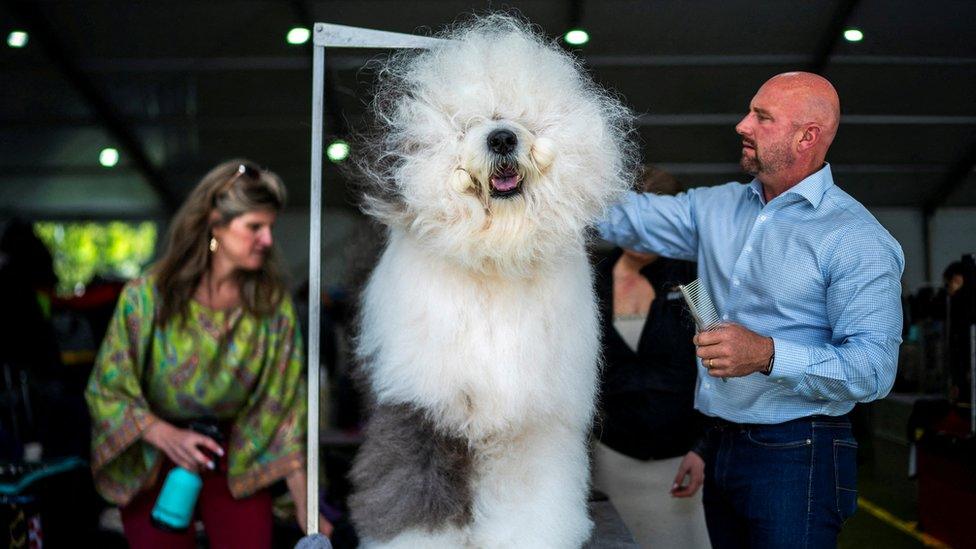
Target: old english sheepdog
478,332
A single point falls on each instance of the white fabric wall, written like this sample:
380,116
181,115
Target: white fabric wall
905,224
953,234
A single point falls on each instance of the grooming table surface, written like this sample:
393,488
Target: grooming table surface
609,531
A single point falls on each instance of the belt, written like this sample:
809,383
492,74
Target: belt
719,423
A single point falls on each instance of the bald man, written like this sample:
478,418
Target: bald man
808,286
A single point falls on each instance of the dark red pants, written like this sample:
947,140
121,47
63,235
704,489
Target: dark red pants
230,523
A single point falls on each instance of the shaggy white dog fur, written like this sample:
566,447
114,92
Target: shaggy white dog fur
479,338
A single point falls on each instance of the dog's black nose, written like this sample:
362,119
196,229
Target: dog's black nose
502,141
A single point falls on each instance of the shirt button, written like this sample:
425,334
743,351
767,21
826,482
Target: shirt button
725,317
762,218
748,249
707,385
735,282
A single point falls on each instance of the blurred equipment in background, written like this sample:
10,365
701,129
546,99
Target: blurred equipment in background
43,422
28,350
960,322
943,432
935,354
945,470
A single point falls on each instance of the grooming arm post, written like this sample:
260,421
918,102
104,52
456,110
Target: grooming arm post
314,286
342,36
325,34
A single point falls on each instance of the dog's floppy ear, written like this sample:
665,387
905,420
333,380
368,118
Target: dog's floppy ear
543,153
461,181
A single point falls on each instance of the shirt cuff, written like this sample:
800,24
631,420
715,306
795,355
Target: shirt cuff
790,364
605,229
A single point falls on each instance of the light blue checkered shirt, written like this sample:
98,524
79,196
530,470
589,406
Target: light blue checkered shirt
813,269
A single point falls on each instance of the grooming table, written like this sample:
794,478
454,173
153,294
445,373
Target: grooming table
609,530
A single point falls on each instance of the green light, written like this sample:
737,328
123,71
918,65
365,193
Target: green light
337,151
108,157
853,35
298,35
576,37
17,39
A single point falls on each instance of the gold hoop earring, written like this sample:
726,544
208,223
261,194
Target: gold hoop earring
213,244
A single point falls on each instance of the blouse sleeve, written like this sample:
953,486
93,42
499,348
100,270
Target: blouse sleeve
268,439
122,463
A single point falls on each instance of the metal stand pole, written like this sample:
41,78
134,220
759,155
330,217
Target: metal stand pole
341,36
314,285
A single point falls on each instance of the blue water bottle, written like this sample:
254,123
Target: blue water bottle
177,500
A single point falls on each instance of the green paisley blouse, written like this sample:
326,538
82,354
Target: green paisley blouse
239,368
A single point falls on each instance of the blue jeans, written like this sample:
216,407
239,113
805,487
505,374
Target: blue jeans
788,485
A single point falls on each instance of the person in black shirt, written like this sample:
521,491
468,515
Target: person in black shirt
646,425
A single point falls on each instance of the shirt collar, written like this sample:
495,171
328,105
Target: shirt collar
812,188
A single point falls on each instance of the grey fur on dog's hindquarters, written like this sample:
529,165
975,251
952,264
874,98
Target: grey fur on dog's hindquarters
409,474
315,541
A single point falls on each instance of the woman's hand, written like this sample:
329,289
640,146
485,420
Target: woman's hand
182,446
693,467
301,513
296,482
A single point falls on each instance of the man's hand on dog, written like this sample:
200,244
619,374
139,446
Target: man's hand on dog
731,350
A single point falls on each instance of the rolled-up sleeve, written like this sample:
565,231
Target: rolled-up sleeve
863,299
664,225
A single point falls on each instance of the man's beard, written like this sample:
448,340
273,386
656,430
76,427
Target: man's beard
776,157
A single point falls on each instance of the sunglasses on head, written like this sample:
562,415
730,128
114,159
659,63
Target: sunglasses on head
247,170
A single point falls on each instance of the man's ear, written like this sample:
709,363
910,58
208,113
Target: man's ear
809,137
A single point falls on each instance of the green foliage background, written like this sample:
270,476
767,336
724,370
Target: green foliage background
83,250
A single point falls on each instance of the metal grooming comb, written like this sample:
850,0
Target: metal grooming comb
701,306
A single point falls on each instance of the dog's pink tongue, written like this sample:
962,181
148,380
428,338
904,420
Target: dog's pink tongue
504,183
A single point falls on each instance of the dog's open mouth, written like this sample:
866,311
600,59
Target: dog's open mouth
505,181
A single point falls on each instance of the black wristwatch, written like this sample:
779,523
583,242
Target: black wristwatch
769,367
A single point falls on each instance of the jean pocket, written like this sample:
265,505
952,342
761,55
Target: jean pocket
777,440
845,477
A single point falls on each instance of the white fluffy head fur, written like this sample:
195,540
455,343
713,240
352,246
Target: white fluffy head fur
430,170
